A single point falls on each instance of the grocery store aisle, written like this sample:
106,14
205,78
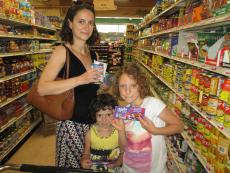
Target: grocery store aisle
39,149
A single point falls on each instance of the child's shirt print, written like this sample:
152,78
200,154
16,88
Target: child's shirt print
138,154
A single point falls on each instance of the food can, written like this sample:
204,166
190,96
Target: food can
214,85
212,105
227,116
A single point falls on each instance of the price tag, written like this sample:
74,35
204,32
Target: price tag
220,127
208,167
208,117
213,68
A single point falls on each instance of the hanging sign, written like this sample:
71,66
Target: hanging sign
101,5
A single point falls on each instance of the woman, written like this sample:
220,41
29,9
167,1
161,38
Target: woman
78,31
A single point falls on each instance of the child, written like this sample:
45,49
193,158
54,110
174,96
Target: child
145,149
105,141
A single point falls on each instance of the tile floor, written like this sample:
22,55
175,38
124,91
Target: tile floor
39,149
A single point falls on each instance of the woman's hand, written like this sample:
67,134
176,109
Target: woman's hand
147,124
91,76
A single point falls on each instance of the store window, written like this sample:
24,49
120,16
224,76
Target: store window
111,28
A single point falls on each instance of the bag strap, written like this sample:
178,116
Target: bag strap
67,63
66,72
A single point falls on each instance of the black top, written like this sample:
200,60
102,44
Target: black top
84,93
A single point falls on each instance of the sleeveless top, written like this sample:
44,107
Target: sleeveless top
83,94
103,149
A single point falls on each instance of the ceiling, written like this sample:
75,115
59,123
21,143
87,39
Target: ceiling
121,8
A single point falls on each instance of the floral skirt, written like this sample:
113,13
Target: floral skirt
70,143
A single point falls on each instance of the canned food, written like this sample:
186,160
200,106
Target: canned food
207,83
212,105
220,111
227,116
204,101
214,85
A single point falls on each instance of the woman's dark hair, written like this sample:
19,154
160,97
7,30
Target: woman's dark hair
132,70
66,32
101,102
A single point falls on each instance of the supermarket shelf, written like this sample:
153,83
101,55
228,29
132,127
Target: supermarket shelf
13,21
43,38
15,36
30,129
9,100
219,70
25,53
15,54
168,31
23,23
154,93
213,22
202,160
42,51
16,75
14,119
44,28
25,37
181,168
165,12
219,126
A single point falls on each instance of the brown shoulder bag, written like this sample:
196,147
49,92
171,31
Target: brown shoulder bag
60,106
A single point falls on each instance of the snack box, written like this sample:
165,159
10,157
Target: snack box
102,66
129,113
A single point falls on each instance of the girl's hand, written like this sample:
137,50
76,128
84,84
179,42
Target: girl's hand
86,163
111,165
147,124
118,124
104,87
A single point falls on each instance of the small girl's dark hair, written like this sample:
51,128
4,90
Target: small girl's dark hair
132,70
66,33
101,102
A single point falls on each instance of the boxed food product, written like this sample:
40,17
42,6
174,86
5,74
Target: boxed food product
129,113
101,67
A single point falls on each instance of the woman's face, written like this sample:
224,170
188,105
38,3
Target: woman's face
128,88
83,24
104,117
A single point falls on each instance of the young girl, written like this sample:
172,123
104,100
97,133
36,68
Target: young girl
105,141
145,149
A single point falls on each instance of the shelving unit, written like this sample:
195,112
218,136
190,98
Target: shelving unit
129,40
115,58
145,48
180,166
40,40
219,70
21,138
102,51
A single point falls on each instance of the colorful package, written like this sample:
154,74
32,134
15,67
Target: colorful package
129,113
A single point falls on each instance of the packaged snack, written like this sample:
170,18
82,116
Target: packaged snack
129,113
101,67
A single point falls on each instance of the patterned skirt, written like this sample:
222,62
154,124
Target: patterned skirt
70,143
